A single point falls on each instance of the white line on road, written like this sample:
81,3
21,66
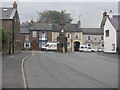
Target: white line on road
23,72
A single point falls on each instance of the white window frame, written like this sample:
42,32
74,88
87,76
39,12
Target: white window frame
77,35
26,44
34,34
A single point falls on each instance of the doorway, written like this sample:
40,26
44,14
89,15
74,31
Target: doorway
34,46
76,46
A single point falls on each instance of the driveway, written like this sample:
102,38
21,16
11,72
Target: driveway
73,70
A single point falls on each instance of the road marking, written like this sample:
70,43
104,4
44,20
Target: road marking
33,53
23,72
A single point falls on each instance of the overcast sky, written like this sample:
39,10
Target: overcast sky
90,12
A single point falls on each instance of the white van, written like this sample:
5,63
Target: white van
50,46
86,48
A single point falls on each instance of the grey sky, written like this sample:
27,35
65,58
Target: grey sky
91,12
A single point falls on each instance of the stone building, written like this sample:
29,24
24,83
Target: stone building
111,27
11,23
40,33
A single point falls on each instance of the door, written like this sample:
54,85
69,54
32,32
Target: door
76,46
34,46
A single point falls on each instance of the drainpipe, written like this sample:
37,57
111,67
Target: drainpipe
13,38
71,41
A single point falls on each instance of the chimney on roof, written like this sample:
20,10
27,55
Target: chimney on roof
104,14
111,14
15,5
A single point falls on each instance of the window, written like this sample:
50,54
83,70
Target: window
27,45
34,34
89,47
101,37
113,45
26,37
107,33
68,43
102,45
43,34
47,45
89,44
88,37
82,47
68,35
76,35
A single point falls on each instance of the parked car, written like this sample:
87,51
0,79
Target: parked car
50,46
100,50
86,48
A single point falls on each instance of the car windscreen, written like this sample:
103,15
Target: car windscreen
89,47
46,45
81,47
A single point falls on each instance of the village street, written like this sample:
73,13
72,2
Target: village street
71,70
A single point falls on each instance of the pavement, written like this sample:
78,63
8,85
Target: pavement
110,55
11,70
0,70
73,70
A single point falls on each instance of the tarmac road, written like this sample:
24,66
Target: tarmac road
73,70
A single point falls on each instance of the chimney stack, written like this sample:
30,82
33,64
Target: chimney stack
111,14
15,5
104,14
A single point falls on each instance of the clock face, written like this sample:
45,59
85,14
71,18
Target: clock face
62,30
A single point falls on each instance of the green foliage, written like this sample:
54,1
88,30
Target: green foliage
53,17
3,35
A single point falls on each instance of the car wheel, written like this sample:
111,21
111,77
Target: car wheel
92,51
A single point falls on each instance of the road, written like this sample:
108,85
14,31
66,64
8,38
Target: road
72,70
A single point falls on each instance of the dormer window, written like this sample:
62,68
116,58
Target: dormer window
5,9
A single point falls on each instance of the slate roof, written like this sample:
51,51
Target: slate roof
115,21
68,28
25,29
41,26
92,31
55,28
7,13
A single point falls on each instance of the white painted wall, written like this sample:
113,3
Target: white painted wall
108,41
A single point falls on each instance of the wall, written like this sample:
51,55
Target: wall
17,37
70,40
7,46
108,41
118,40
95,41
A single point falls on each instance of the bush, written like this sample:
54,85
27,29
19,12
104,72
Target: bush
3,35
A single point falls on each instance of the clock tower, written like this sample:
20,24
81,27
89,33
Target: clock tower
62,39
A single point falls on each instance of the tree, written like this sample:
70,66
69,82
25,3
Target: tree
53,17
3,35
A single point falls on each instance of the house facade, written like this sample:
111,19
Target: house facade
93,37
41,33
11,24
111,33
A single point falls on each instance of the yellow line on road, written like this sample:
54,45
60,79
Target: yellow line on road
23,73
33,53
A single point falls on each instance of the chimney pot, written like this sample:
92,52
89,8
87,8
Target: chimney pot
15,5
111,14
